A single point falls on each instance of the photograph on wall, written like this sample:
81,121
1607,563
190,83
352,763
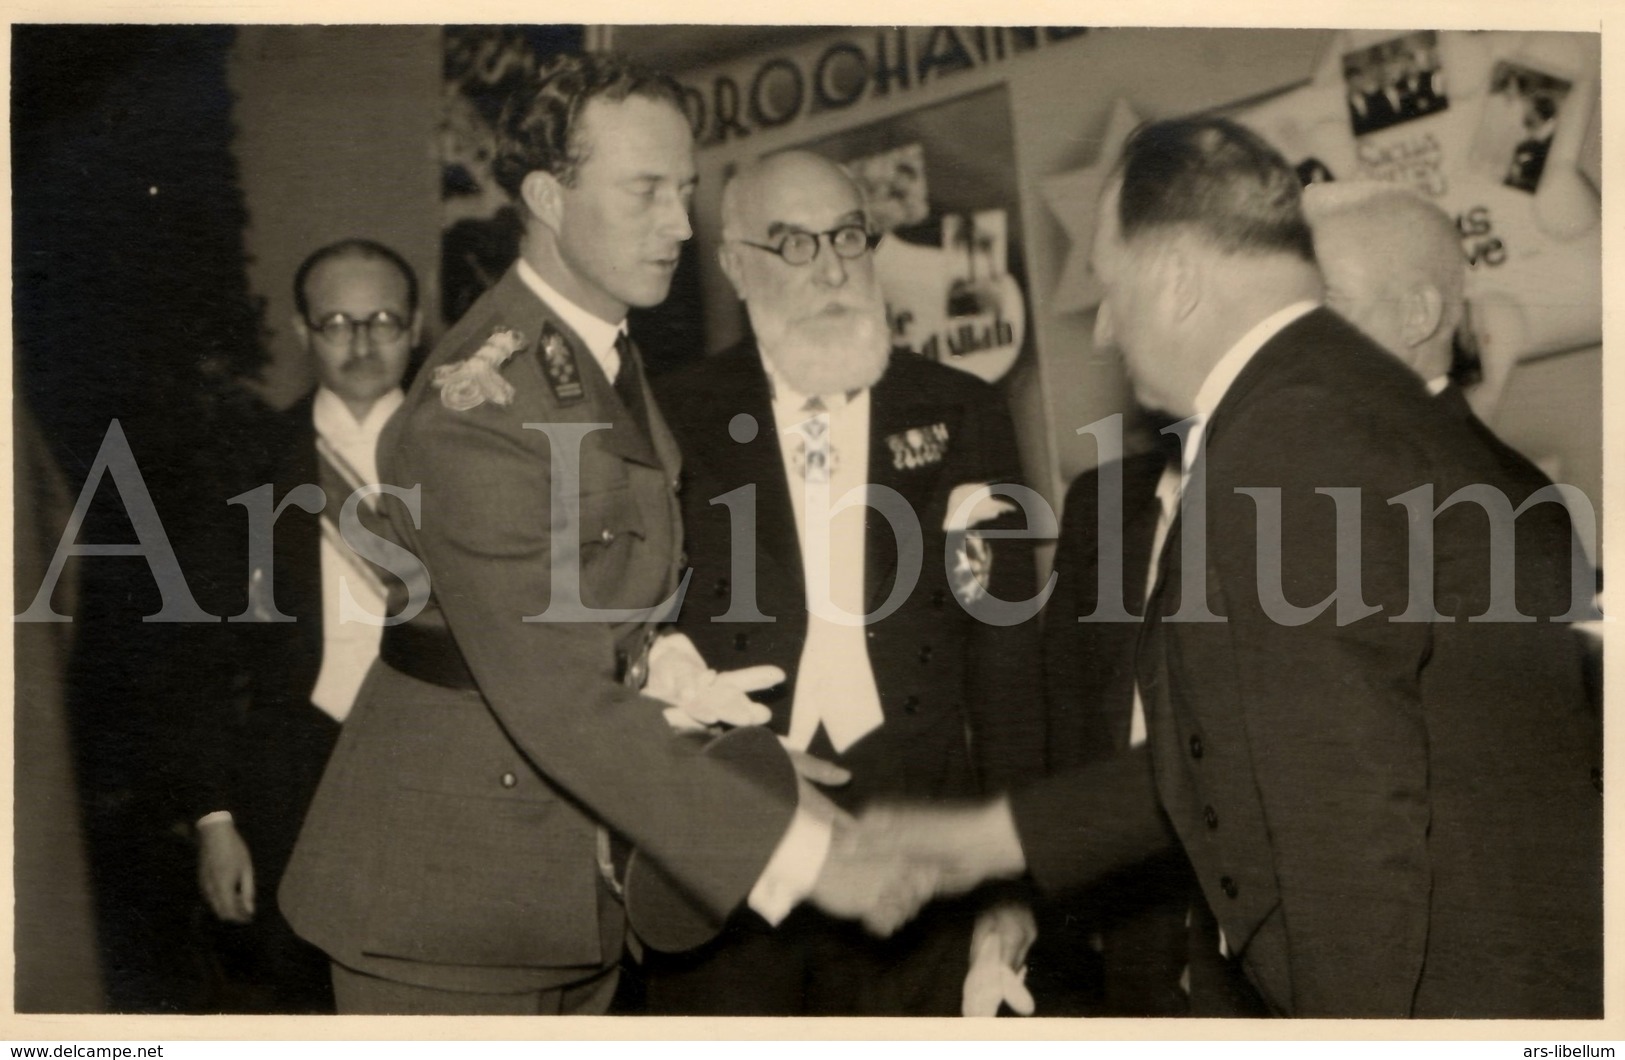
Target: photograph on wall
1394,82
951,263
1520,119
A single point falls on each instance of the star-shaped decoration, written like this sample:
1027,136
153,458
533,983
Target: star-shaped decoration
1073,197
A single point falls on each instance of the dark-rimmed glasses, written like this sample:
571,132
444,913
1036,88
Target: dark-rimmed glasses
337,328
801,248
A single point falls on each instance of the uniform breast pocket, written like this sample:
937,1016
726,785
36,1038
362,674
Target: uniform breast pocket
608,518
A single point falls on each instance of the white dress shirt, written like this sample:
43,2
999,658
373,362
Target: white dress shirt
835,684
349,645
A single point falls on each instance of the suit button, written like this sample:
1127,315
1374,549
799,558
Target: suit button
607,536
1210,817
871,634
911,705
925,654
1196,747
720,589
509,780
741,641
1228,886
939,599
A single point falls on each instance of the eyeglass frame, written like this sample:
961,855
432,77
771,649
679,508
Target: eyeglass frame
871,240
352,325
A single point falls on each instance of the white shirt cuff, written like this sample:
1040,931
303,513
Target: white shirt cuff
211,818
793,870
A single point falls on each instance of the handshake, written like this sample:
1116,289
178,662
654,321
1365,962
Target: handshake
884,865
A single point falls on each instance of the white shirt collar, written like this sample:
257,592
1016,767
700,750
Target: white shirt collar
1224,373
597,333
1437,385
332,416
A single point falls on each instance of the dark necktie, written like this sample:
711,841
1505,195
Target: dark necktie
627,386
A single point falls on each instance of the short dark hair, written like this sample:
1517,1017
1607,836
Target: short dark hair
540,126
1216,177
352,248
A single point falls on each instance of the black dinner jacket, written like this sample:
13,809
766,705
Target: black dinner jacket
1372,807
961,698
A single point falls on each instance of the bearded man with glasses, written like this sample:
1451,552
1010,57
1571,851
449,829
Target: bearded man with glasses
823,481
358,320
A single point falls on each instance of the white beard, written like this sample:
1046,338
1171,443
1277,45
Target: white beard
827,353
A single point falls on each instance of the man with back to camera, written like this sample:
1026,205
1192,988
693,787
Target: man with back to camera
916,694
1390,811
463,854
358,321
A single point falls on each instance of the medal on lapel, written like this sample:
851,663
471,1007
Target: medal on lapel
918,447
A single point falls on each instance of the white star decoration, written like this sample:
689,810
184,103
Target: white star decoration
1072,197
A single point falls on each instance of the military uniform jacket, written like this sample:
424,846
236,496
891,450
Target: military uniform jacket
960,697
453,840
1387,818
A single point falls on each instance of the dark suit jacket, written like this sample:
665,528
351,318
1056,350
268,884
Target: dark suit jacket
1138,916
961,702
262,758
452,842
1373,807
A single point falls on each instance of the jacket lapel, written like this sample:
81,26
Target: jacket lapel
761,461
893,413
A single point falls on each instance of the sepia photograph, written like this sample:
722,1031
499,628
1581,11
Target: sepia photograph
716,520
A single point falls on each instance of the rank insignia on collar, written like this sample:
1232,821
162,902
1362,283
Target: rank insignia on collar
559,365
918,446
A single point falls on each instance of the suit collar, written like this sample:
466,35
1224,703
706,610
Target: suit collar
514,300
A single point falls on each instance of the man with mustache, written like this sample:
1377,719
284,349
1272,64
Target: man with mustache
466,851
897,671
358,320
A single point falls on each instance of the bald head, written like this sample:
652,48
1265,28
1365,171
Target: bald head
1393,266
783,184
821,323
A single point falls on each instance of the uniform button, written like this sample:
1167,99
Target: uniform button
741,641
676,484
871,634
720,589
1210,817
509,780
607,536
925,654
1196,747
911,705
1228,886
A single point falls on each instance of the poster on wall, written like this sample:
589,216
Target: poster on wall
951,263
1499,129
1491,127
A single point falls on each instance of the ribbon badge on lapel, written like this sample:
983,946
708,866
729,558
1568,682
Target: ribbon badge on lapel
918,447
472,382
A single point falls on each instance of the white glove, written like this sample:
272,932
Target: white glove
998,970
700,696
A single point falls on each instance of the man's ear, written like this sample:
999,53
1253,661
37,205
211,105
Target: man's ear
416,331
301,327
1424,314
543,196
1181,277
728,258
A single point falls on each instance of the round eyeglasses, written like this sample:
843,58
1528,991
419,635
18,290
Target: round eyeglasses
382,326
801,248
